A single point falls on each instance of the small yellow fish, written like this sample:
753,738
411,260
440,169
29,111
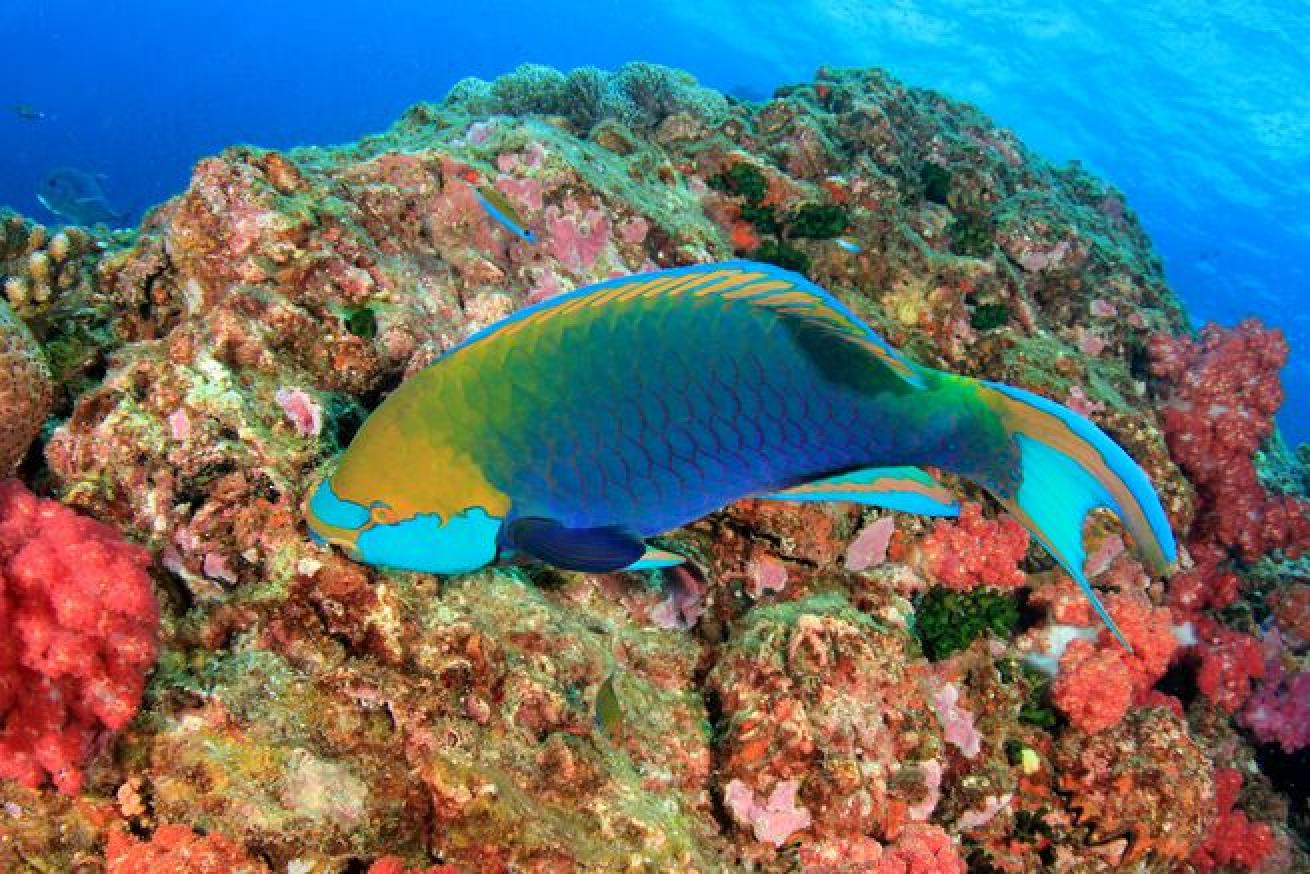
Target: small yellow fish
609,710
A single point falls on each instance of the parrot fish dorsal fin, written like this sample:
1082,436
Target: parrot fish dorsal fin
814,316
907,489
594,550
811,311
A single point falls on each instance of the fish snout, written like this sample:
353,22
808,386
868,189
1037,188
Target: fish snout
332,519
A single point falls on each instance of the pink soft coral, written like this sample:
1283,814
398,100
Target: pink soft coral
1279,712
1223,392
921,848
77,636
1093,689
1230,660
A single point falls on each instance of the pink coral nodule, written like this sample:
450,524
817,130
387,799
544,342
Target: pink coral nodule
301,410
78,621
773,821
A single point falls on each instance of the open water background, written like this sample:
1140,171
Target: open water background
1199,110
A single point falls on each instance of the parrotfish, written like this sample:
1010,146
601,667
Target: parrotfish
500,209
571,431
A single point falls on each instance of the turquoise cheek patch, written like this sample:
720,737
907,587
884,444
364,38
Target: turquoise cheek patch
465,543
326,507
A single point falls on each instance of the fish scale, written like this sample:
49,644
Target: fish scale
691,381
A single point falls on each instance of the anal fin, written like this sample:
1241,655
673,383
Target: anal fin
907,489
654,559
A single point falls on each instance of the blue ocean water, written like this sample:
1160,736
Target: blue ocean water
1198,111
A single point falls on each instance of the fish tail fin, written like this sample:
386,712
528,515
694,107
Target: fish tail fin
1068,467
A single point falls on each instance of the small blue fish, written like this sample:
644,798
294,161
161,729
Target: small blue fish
848,245
500,209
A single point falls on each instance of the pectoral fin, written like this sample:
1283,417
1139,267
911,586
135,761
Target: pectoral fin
596,550
896,488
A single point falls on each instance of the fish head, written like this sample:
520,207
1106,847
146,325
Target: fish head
374,532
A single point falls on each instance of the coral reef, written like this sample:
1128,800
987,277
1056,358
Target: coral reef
25,389
823,687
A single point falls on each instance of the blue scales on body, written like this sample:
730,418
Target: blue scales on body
573,430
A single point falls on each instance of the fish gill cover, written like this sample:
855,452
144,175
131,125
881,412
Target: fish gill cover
795,699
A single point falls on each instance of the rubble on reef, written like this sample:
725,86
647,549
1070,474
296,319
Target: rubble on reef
823,689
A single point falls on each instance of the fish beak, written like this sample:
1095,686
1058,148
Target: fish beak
332,520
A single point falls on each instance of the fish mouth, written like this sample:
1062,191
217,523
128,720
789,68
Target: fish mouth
332,520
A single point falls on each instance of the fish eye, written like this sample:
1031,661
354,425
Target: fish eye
381,514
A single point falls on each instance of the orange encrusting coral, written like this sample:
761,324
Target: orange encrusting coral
176,849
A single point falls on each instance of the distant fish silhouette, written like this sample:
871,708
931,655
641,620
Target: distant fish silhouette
28,112
78,197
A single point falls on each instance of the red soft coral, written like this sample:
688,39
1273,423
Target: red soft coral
178,850
77,636
921,848
1229,661
1234,839
1097,683
1093,689
1149,631
396,865
974,551
1223,390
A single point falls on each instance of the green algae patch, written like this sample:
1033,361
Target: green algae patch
1035,688
783,255
818,221
743,179
947,621
989,316
972,235
361,321
936,182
